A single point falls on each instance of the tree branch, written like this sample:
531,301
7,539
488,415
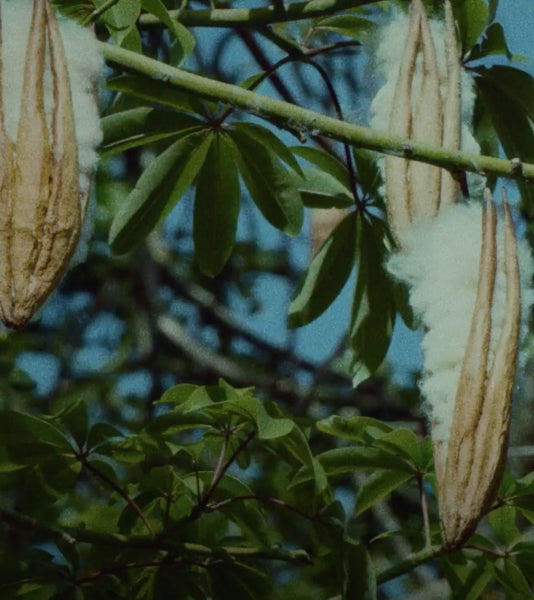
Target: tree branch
252,17
293,117
186,550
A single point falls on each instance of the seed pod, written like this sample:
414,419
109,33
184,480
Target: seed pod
42,204
478,438
452,107
425,179
416,190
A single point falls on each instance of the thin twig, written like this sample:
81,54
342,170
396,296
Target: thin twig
219,474
110,483
424,510
268,500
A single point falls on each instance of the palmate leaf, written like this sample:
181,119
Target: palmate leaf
360,577
373,307
326,162
158,189
120,20
471,16
184,42
319,189
217,203
506,92
141,126
357,28
378,485
152,90
327,274
268,139
271,187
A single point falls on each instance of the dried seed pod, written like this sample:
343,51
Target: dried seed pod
400,120
425,179
479,433
43,204
452,107
416,190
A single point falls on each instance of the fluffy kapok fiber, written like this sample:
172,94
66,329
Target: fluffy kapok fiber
440,263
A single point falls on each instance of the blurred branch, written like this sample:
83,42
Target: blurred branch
296,118
73,535
251,17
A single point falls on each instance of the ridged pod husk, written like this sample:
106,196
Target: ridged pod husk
469,469
41,208
417,190
471,473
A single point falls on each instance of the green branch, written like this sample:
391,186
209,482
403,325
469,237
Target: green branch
296,118
411,562
73,535
242,17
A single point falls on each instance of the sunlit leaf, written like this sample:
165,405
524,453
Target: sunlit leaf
141,126
270,186
327,274
158,189
378,485
217,203
373,308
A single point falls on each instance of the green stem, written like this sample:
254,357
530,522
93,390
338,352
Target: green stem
186,550
411,562
243,17
296,118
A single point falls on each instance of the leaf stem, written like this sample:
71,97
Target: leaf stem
293,117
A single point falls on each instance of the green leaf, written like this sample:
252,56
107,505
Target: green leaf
141,126
359,574
327,274
377,486
472,17
373,307
75,419
326,162
100,433
121,19
296,444
403,441
355,428
492,42
217,203
506,93
352,26
270,186
184,42
513,581
18,428
340,461
269,428
319,189
368,173
158,189
503,522
271,141
177,394
233,581
153,90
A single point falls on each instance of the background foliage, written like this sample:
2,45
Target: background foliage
174,440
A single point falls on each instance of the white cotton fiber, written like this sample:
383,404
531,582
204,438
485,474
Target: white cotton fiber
84,66
440,263
389,48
